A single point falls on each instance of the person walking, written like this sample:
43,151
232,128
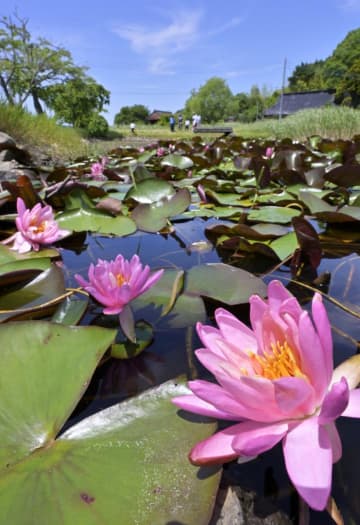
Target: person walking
132,128
172,123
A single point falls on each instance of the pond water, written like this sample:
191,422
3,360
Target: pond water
171,354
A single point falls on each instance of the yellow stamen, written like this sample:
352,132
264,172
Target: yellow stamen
281,361
120,279
39,228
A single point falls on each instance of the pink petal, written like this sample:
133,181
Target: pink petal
198,406
353,408
323,328
277,294
219,397
234,330
336,445
254,396
216,449
335,402
255,438
313,362
308,458
294,396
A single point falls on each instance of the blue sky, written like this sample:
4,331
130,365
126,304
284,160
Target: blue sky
154,52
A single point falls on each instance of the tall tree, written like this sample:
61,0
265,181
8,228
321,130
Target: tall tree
342,68
28,65
76,100
307,76
214,101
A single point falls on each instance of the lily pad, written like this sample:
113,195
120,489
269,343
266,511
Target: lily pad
224,283
90,219
275,214
140,445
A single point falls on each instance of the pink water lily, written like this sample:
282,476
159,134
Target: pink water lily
97,169
36,227
277,381
115,283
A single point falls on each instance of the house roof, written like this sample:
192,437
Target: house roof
157,114
293,102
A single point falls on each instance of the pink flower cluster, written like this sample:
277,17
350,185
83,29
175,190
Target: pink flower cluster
36,227
276,380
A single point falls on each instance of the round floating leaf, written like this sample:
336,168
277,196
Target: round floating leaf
154,217
7,255
45,369
177,161
39,263
127,464
150,190
47,287
273,214
71,310
223,282
95,221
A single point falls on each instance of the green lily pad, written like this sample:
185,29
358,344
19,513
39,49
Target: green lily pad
150,190
71,310
273,214
177,161
38,396
224,283
43,292
154,217
86,219
7,255
126,464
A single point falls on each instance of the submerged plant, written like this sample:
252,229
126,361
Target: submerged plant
277,380
36,227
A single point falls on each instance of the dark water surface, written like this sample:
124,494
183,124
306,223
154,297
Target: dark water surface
171,354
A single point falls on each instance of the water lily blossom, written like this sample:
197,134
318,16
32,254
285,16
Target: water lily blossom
115,283
36,227
276,381
97,169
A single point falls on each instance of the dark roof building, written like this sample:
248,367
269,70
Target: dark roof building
156,115
296,101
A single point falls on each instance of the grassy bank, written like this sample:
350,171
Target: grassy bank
330,122
42,134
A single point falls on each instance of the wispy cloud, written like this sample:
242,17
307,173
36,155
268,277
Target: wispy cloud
252,71
179,34
349,5
233,22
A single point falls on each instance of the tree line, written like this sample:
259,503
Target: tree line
35,69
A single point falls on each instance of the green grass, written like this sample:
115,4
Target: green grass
328,122
43,134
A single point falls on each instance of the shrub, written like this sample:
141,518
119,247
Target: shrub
97,126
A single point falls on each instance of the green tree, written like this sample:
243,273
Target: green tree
308,76
135,113
75,101
214,101
28,65
341,69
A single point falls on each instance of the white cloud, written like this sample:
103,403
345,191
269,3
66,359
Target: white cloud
233,22
161,66
178,35
349,5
